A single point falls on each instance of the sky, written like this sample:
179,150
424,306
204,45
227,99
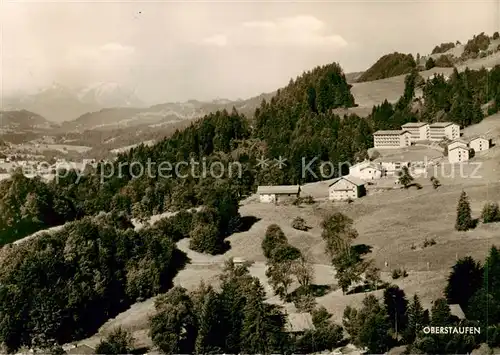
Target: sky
176,51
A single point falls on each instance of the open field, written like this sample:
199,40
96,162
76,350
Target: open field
40,148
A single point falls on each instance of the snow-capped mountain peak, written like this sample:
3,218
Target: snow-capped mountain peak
109,94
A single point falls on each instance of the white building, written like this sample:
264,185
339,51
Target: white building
391,139
458,154
370,172
419,130
457,143
435,75
366,170
391,168
345,188
479,144
275,194
441,130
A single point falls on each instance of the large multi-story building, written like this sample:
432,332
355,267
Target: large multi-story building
391,139
419,130
441,130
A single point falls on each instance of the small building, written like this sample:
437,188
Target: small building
479,144
457,311
442,130
345,188
392,168
81,349
298,323
391,139
458,154
419,131
435,75
366,170
457,143
371,172
275,194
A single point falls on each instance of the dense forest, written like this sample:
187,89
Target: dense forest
389,65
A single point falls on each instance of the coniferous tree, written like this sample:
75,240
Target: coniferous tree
430,64
464,217
405,178
464,281
208,325
263,324
416,320
440,313
396,305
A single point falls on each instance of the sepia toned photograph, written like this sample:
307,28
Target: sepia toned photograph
249,177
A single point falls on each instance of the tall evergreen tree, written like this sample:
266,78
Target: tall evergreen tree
416,320
464,217
396,305
464,281
208,340
263,324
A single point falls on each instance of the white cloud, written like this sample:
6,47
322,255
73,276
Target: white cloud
117,47
302,30
216,40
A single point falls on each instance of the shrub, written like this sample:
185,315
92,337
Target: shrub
490,213
300,224
397,273
429,242
435,182
119,341
308,200
496,35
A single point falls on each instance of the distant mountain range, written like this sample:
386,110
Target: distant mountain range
23,120
59,103
108,106
158,115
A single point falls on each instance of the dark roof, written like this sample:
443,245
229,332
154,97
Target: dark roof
299,322
457,147
352,179
414,124
278,189
441,124
390,132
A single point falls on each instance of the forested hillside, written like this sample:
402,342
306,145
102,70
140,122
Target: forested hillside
297,124
389,65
